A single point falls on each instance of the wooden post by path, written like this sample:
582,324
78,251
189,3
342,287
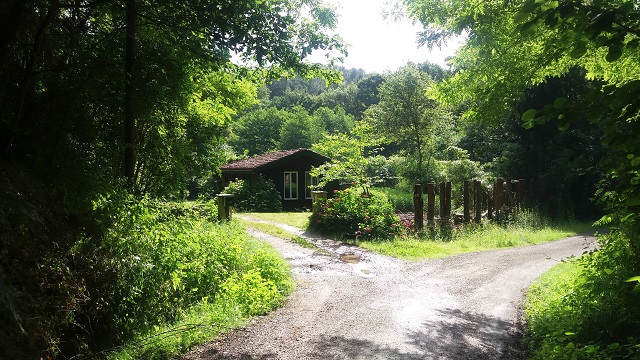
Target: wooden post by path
225,206
448,202
477,190
431,199
467,201
507,194
520,192
443,200
489,206
418,207
498,193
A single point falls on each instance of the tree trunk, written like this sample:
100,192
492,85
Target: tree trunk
129,115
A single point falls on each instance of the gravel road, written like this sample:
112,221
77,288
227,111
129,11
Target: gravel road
353,304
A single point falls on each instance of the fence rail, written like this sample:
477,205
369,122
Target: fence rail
504,197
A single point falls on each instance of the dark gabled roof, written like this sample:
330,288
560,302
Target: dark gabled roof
264,160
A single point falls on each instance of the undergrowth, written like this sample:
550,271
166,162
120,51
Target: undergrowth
146,279
587,308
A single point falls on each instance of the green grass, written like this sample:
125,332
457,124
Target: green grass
297,219
202,323
438,244
278,232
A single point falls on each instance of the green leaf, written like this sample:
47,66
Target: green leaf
608,271
529,115
521,17
530,27
579,50
616,46
635,278
551,20
528,6
635,201
561,103
633,44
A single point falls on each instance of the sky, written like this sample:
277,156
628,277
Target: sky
379,45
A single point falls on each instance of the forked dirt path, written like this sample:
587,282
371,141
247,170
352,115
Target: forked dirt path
376,307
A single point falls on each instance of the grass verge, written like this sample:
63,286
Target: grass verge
587,308
438,243
278,232
297,219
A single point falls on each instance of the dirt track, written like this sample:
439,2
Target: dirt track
462,307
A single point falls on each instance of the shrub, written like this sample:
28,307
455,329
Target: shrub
349,211
400,197
588,309
140,266
259,196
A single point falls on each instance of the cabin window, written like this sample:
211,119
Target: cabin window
290,185
310,182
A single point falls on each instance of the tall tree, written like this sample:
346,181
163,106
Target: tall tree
84,54
406,118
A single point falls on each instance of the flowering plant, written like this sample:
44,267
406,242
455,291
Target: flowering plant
349,212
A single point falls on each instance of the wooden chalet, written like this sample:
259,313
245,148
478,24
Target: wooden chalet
288,169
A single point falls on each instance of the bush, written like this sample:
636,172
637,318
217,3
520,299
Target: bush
169,258
349,211
400,197
141,265
587,309
260,196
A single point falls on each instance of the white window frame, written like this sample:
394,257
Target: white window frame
287,193
308,186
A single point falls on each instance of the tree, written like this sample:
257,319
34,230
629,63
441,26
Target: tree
515,45
74,53
333,120
406,118
300,131
258,131
349,157
66,68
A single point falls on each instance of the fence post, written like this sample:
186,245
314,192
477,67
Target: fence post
448,202
467,201
418,207
225,205
489,206
443,200
431,199
507,194
498,193
477,190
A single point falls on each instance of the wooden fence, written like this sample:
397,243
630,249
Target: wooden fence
504,197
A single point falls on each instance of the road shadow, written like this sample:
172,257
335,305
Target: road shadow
463,335
468,335
340,347
211,353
